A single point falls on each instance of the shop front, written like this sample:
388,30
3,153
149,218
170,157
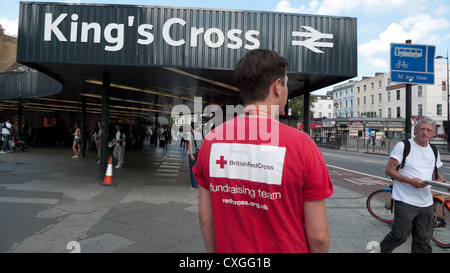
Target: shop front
357,129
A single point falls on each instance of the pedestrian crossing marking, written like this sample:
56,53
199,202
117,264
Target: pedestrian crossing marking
170,166
43,201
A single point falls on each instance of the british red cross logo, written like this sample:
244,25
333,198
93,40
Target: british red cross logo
222,162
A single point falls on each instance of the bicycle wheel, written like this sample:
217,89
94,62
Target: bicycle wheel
380,205
441,233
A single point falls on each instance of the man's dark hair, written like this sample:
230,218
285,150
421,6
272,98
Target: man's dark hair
256,71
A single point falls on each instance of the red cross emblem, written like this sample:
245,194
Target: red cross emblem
222,162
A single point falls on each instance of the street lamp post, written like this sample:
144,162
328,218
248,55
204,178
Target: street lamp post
448,103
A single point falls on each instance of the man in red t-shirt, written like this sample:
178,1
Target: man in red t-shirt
263,184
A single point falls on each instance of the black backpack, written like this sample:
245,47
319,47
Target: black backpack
406,151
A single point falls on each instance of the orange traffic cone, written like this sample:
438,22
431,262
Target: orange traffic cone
108,181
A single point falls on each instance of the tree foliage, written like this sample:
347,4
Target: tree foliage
296,105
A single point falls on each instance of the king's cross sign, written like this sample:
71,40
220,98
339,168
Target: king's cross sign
312,43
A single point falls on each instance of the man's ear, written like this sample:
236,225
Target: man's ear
276,87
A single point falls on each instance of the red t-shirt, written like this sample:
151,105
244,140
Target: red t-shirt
258,183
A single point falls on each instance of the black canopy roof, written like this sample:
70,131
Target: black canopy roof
158,57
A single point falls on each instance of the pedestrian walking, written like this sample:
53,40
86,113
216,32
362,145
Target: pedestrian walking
98,139
119,148
383,142
6,135
262,192
413,209
76,146
195,142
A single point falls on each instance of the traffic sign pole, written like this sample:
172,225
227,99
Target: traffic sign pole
408,107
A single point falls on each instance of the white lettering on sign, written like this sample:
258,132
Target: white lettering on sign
166,31
255,163
114,33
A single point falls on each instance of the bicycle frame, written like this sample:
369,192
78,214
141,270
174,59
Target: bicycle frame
441,197
391,204
382,211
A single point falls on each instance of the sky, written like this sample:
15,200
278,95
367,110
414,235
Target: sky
380,22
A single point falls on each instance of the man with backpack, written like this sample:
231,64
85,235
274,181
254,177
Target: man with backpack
411,162
6,132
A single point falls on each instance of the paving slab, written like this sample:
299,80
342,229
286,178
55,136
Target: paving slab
57,205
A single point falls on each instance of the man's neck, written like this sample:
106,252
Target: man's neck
271,110
422,144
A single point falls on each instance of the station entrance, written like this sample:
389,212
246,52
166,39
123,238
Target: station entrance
132,64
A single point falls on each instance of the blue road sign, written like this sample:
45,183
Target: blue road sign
412,63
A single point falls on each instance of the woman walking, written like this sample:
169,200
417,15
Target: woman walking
76,147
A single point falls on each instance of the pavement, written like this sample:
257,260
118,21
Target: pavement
52,203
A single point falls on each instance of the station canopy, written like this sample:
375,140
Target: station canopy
159,57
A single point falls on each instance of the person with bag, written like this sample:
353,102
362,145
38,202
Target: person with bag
120,146
411,162
6,132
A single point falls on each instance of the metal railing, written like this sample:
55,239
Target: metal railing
363,145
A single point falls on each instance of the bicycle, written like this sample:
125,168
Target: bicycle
381,206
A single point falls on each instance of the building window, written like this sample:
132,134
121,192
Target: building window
419,110
398,94
364,100
389,113
439,110
389,96
380,97
419,91
372,99
357,101
398,112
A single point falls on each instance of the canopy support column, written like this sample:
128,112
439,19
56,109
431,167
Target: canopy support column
105,125
83,126
306,106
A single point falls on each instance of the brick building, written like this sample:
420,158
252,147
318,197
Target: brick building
8,52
